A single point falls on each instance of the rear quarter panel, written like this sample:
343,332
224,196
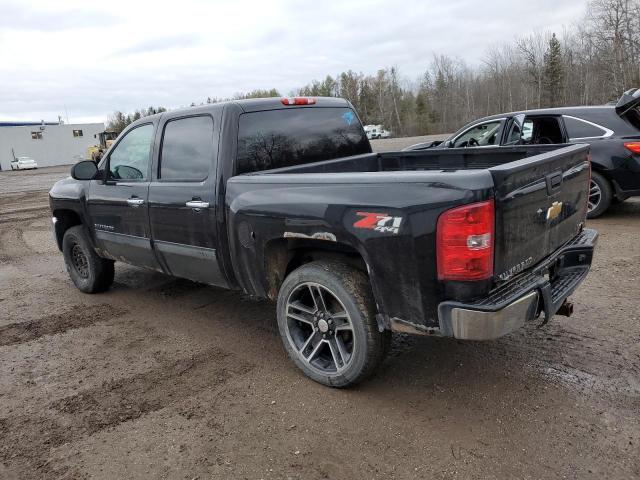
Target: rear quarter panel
332,207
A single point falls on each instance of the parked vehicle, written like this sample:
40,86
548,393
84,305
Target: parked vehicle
613,131
376,132
23,163
283,199
105,140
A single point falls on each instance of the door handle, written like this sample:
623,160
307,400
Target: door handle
197,204
135,202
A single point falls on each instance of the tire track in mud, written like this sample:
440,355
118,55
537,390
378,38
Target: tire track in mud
27,439
579,361
79,316
25,214
24,206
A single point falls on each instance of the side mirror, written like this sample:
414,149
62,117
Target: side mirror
448,144
85,170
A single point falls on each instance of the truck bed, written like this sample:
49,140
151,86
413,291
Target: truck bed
434,160
539,193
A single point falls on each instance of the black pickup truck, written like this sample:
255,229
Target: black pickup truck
283,199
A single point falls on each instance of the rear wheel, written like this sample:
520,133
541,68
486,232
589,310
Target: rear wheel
600,195
89,272
326,319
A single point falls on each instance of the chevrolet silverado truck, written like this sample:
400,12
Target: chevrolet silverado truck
284,199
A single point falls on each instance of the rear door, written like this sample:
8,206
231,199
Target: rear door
118,204
182,198
541,203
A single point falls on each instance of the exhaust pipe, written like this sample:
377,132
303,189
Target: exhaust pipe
566,309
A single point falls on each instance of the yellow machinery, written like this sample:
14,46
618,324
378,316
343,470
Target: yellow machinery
105,140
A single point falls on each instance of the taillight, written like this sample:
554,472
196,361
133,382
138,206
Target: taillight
633,146
464,242
298,101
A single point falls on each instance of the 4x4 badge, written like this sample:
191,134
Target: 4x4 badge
380,222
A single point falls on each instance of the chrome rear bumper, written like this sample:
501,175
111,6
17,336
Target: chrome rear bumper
508,307
478,325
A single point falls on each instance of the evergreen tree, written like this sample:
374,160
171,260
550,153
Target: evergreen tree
553,74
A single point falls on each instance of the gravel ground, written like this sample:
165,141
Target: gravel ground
164,378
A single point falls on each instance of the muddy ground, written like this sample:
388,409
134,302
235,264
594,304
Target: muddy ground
164,378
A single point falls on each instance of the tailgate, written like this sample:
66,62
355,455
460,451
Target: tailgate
541,203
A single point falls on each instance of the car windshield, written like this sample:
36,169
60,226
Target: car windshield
480,135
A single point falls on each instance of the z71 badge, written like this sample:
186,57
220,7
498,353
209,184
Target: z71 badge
380,222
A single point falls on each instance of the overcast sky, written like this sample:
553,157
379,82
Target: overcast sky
91,58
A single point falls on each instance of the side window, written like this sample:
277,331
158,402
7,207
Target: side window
484,134
130,158
515,131
577,128
527,131
514,134
187,149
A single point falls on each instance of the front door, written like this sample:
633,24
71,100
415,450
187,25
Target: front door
182,199
118,204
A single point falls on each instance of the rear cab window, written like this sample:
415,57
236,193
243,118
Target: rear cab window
295,136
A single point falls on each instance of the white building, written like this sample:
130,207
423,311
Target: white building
48,144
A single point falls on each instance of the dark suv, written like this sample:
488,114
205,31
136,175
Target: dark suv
613,131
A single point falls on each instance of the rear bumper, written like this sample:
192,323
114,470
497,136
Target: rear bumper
508,307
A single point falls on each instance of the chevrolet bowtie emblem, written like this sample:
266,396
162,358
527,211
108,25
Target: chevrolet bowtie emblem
554,210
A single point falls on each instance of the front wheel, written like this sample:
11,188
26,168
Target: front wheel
326,319
89,272
600,195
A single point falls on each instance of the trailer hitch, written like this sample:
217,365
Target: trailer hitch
550,309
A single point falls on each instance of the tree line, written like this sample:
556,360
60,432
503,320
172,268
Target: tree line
591,63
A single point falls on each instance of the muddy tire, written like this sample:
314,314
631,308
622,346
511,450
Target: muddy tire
326,319
89,272
600,195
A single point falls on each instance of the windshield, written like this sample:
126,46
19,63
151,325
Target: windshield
483,134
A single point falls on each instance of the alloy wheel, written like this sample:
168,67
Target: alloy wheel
319,328
595,196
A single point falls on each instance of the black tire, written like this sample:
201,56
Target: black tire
360,342
600,195
89,272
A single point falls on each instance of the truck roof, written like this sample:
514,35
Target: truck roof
253,105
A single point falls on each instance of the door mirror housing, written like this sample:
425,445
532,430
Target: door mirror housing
85,170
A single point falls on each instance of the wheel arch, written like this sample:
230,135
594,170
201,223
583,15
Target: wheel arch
283,255
65,219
